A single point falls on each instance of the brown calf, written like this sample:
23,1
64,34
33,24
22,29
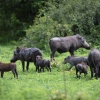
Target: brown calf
5,67
81,68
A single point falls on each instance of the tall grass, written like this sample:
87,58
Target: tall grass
48,85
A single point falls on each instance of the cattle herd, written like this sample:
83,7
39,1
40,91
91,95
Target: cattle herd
61,45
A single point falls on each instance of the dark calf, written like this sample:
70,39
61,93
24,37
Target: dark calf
41,64
81,68
5,67
75,60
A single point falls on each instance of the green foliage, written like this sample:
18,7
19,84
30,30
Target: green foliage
16,16
58,95
66,17
39,20
40,33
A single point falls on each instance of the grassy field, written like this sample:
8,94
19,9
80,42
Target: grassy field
59,84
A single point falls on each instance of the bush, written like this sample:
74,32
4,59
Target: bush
62,18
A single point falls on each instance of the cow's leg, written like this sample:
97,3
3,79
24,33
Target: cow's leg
80,75
96,72
13,71
52,54
71,51
92,71
16,73
49,67
37,69
76,73
23,64
35,66
27,66
2,74
70,67
99,72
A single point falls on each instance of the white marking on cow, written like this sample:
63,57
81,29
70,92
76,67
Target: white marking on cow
55,38
85,43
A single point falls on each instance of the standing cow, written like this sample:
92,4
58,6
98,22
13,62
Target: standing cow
69,43
73,60
26,54
94,62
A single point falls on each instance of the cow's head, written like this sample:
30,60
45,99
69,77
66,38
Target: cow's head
82,42
38,58
36,52
66,60
15,55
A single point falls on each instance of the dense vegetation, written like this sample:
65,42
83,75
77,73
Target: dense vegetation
39,20
66,17
16,16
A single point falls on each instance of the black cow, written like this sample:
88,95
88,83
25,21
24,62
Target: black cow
94,62
81,68
73,60
42,63
69,43
26,54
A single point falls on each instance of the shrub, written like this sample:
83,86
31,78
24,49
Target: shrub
61,18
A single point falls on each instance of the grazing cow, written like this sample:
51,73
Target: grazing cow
75,60
94,62
42,63
69,43
82,68
26,54
5,67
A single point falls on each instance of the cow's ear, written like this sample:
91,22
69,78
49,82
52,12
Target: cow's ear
34,51
36,57
41,57
18,49
68,57
78,36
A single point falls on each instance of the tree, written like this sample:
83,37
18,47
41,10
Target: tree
16,16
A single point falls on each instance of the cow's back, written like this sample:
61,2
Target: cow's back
94,57
63,44
77,60
7,66
29,54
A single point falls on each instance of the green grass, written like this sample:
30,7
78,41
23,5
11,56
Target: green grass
48,85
